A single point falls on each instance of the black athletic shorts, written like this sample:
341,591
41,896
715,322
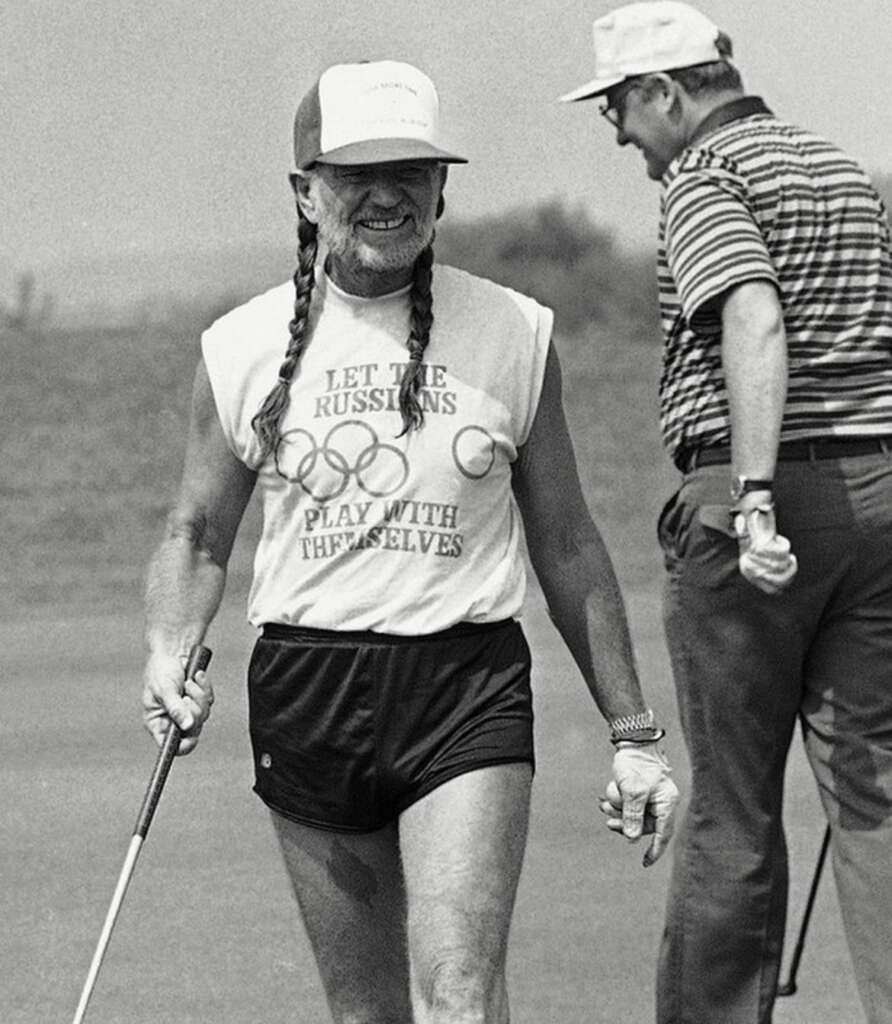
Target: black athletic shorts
350,728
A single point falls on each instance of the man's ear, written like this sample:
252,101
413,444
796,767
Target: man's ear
300,183
667,89
654,84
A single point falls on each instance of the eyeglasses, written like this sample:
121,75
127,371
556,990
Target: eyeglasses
614,109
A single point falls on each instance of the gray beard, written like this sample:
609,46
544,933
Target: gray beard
341,243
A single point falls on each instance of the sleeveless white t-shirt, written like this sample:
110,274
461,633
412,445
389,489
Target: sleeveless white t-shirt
363,529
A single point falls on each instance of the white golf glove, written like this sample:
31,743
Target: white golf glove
641,798
765,560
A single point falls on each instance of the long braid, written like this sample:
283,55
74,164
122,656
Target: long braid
268,418
421,319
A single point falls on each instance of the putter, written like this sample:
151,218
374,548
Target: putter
788,987
199,658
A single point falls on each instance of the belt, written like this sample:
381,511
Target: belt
690,459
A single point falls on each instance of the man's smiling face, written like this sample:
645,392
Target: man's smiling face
642,119
374,220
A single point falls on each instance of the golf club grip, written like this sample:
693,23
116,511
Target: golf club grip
198,660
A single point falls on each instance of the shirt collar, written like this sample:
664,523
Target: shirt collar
745,106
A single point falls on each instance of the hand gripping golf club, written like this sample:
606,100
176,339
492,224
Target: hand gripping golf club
788,987
199,658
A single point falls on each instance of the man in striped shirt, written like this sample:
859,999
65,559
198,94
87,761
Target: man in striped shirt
776,406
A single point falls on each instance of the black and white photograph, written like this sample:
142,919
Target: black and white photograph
446,500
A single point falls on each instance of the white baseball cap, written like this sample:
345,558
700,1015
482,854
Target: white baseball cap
641,38
370,113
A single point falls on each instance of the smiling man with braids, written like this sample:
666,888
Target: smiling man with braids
399,431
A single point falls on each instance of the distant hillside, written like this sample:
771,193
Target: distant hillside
564,259
552,251
556,253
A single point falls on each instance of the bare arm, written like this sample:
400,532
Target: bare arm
570,559
188,571
584,601
754,360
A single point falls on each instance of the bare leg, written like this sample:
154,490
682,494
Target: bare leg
350,891
463,847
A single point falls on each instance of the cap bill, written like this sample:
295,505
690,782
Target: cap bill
385,151
593,88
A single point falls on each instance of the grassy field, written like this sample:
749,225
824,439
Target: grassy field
93,437
208,932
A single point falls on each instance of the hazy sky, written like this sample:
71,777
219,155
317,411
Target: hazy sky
165,126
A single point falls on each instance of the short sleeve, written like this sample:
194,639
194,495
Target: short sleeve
712,239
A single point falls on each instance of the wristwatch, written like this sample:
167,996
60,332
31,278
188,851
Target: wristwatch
741,485
638,729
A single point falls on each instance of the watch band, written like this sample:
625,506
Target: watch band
741,485
638,728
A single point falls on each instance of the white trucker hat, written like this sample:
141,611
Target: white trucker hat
370,113
641,38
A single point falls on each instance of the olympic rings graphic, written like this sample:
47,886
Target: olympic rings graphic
350,449
474,451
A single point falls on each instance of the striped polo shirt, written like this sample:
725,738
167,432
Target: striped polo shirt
751,198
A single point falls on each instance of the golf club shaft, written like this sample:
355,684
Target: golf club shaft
199,658
788,988
118,898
